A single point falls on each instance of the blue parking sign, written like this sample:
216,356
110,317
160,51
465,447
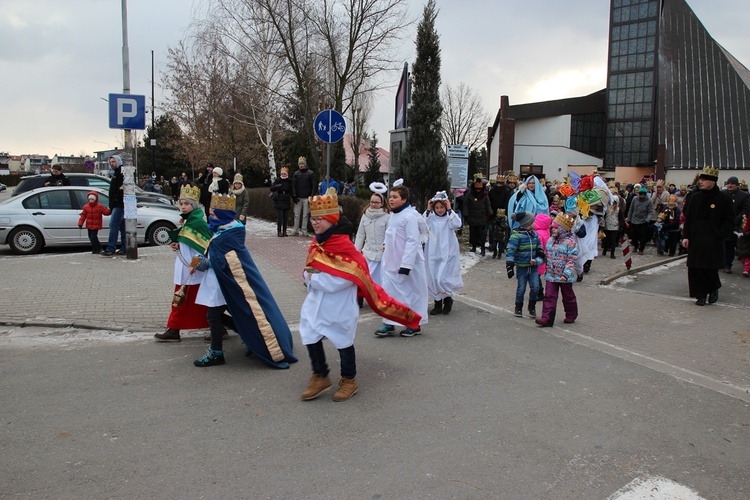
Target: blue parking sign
127,111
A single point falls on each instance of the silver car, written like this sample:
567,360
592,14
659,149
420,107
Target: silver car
49,217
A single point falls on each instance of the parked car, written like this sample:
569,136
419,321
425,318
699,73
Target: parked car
48,216
3,187
36,181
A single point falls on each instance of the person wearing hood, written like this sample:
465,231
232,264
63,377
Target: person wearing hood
117,208
530,197
542,228
335,274
442,254
93,216
242,197
525,254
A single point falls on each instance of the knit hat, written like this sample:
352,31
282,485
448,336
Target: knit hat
238,178
218,171
642,190
525,219
325,206
709,173
733,180
565,221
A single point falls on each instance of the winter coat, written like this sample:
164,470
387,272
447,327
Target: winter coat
93,213
242,202
477,209
660,203
541,226
116,194
562,254
740,204
499,231
371,233
743,242
499,198
640,210
523,247
709,219
303,184
283,190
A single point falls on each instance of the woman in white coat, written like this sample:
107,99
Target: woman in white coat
442,253
371,233
402,266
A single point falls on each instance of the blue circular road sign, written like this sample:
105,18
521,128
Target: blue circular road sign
329,126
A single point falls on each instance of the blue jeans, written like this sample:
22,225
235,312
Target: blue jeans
527,275
116,225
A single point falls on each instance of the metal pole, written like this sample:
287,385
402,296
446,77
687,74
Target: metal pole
153,114
131,222
328,153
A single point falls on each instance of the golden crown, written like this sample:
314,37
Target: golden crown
284,170
478,176
565,220
301,160
189,192
511,177
499,178
710,171
327,204
223,201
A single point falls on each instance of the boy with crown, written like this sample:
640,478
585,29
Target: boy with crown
189,242
335,274
234,281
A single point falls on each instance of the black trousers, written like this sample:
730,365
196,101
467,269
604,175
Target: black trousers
320,366
476,236
282,214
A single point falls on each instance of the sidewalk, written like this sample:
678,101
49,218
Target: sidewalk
667,332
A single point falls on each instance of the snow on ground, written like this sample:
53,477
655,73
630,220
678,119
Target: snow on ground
655,488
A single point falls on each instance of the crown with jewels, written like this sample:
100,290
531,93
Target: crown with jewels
710,171
326,204
189,192
565,221
223,201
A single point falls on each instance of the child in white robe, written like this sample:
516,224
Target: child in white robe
442,253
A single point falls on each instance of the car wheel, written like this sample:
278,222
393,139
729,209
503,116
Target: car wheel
158,233
25,241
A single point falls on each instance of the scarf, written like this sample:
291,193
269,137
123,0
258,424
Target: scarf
375,213
337,256
194,231
220,218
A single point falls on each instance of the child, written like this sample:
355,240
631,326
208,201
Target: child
660,233
541,227
524,252
442,253
93,213
743,246
672,225
499,234
335,272
562,254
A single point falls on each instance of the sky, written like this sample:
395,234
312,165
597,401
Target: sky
59,60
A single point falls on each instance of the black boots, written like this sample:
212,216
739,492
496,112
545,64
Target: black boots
612,255
447,305
438,309
519,309
713,296
482,251
532,308
701,301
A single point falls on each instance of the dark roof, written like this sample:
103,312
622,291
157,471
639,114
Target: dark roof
592,103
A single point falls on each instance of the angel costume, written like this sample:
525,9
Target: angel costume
442,255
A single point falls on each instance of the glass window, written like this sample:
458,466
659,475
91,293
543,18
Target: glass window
638,95
55,200
616,15
614,63
641,46
642,29
615,50
31,203
648,78
639,79
615,33
646,112
648,94
650,44
617,3
653,9
628,111
634,13
649,61
652,27
629,95
631,62
632,46
643,11
640,61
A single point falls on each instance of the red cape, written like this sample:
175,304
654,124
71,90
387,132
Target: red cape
338,256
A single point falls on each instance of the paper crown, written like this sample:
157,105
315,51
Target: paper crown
302,160
709,172
189,192
223,201
565,221
499,178
284,170
660,182
683,186
743,184
672,200
478,176
327,204
500,212
511,177
441,196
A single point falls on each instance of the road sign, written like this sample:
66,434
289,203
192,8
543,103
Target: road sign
127,111
89,165
329,126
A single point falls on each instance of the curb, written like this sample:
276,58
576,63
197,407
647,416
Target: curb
645,267
81,325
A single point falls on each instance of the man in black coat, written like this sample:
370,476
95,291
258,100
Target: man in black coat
709,220
477,212
204,180
741,206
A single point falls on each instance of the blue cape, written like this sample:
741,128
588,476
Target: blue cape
535,202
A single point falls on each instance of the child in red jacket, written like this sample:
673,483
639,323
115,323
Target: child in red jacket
92,215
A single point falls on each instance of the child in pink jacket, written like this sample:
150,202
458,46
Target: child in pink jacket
93,216
541,226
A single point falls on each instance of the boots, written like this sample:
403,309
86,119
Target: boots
713,296
438,309
315,387
550,319
612,255
519,310
170,335
482,253
532,308
211,358
278,233
494,254
361,302
447,305
347,389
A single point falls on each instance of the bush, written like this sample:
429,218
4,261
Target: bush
261,207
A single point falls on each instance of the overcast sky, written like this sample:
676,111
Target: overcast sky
59,59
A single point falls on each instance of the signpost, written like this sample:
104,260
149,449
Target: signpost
458,165
330,127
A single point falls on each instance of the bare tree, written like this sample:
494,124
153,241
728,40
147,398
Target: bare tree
360,116
465,120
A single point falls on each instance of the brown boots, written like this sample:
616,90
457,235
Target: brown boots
347,389
318,385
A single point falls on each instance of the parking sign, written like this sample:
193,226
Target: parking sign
127,111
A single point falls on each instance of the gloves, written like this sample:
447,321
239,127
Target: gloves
404,271
80,227
509,267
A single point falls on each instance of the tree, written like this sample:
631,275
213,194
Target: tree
464,119
166,161
423,164
373,162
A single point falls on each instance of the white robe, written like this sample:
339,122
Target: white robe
588,245
330,310
442,253
181,271
403,248
209,294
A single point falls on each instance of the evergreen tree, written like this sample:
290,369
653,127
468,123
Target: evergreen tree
166,160
423,165
373,163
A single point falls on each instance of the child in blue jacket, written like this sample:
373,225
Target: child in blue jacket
525,253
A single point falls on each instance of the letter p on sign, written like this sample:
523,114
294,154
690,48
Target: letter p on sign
127,111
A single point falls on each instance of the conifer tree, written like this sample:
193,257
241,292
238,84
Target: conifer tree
373,162
423,164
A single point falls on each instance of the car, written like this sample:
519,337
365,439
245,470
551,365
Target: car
77,179
3,187
48,216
